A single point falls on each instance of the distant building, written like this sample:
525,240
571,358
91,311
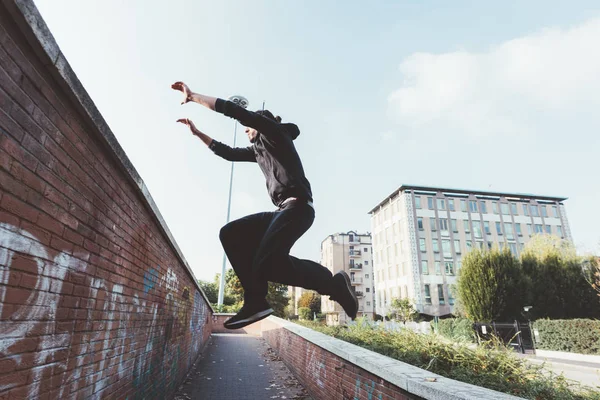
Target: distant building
351,252
420,235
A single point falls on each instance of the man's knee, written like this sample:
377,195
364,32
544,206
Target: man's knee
226,233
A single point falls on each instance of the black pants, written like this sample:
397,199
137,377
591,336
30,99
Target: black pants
258,248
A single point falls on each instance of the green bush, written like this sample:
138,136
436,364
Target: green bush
305,313
573,335
497,368
457,329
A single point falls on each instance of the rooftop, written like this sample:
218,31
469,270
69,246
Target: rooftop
457,191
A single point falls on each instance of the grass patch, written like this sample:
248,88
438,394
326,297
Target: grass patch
494,366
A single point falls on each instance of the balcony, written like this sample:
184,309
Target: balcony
354,253
356,266
359,294
356,281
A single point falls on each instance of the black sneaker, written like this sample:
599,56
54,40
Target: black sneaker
343,294
250,313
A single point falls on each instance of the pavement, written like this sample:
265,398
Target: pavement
586,373
237,366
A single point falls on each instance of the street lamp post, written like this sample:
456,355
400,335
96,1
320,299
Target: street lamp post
243,102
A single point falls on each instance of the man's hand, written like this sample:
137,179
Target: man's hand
182,87
190,124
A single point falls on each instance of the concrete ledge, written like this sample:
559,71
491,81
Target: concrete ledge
413,382
567,356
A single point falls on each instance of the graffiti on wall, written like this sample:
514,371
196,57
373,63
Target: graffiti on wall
70,317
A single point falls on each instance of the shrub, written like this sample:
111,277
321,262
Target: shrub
574,335
456,329
305,313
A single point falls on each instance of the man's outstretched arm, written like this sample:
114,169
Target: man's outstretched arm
206,101
220,149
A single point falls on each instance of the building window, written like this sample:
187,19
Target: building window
463,205
450,296
513,248
367,289
555,211
457,246
432,224
508,229
477,229
418,202
469,244
420,223
365,249
495,207
427,295
441,203
482,206
438,268
451,204
544,211
529,229
367,263
513,208
538,228
466,226
441,294
473,205
424,268
518,229
444,226
486,228
422,245
430,203
446,248
454,226
548,229
504,208
490,245
535,211
449,268
436,245
526,210
499,228
368,303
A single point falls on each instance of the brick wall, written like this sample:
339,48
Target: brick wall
95,299
324,374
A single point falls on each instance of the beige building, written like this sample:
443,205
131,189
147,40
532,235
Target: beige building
420,235
294,294
351,252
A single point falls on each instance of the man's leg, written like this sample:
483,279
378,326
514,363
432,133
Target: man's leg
240,239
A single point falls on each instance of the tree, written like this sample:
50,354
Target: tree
592,272
210,289
278,298
310,299
558,285
404,310
490,285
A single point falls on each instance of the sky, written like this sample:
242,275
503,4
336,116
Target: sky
496,96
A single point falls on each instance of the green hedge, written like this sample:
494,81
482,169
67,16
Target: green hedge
457,329
570,335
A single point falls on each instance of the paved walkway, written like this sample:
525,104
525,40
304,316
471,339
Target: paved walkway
238,366
586,373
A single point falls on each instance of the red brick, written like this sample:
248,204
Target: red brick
19,208
27,177
73,236
25,121
36,233
24,263
28,281
61,245
5,160
10,185
47,222
8,218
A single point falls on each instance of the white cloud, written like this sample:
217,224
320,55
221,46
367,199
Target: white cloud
550,74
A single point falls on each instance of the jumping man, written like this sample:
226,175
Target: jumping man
258,245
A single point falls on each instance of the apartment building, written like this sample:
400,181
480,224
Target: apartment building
420,235
351,252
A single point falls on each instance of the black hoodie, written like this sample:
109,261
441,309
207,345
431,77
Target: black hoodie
274,151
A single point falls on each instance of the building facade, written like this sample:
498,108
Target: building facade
351,252
420,235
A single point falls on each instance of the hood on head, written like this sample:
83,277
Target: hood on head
292,129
